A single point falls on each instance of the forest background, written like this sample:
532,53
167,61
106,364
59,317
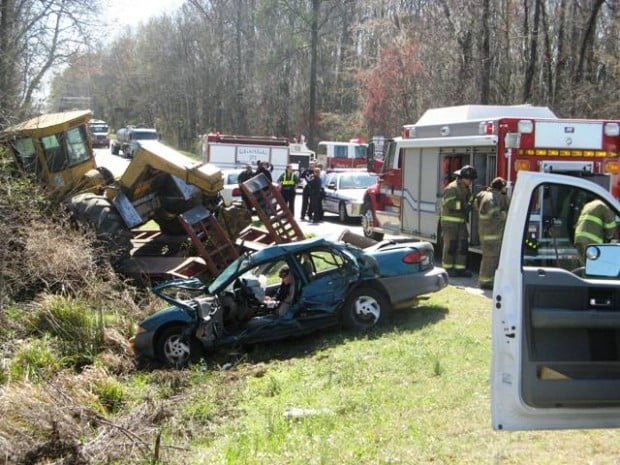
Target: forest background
324,69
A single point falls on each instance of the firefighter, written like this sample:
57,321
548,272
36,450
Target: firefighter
596,225
456,205
288,187
492,207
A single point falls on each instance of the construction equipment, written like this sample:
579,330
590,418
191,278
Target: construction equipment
158,185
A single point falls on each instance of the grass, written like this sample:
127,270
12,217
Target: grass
416,391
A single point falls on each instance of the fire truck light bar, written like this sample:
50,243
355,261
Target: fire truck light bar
567,153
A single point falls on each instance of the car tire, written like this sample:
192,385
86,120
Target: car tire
364,308
343,216
173,348
367,221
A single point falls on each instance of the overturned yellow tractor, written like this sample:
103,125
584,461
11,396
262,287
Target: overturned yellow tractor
117,197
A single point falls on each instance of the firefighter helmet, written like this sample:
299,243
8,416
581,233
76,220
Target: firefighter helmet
498,183
467,172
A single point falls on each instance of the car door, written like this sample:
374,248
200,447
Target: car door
330,201
555,324
329,275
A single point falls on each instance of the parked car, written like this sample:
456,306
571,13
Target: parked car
556,322
344,192
335,283
231,190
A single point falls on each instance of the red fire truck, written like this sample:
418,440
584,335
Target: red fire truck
350,154
497,141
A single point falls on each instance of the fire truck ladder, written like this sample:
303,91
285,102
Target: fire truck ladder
273,213
209,239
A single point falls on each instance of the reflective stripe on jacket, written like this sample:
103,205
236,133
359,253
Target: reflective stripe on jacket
596,223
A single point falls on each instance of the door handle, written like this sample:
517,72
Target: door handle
594,302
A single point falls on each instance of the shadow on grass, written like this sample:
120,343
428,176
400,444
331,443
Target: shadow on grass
405,320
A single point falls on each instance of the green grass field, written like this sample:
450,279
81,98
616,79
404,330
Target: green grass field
413,391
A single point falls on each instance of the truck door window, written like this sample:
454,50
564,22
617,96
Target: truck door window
360,152
77,145
340,151
550,236
26,154
54,153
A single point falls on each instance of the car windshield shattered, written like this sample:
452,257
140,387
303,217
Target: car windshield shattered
244,262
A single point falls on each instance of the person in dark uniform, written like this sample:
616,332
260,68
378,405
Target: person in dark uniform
315,195
307,176
264,167
246,174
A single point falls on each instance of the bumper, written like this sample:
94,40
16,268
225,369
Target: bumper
405,289
142,344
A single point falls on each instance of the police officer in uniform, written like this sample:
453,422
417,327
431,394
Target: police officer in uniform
307,175
288,187
492,207
596,225
456,205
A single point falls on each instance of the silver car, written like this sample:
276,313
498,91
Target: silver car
344,192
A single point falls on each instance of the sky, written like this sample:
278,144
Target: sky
120,13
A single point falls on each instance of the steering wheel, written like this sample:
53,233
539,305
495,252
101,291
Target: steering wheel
242,289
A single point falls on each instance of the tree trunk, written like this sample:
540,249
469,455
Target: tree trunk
314,45
530,67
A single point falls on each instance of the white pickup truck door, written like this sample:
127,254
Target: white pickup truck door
555,329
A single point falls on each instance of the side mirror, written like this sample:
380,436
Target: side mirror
603,260
332,186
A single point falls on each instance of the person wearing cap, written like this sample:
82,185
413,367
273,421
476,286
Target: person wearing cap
491,205
456,205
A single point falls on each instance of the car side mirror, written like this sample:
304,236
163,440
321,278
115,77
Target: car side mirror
603,260
332,186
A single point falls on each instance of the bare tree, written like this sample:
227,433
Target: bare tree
35,36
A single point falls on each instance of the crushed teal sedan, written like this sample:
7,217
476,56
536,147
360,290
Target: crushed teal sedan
334,284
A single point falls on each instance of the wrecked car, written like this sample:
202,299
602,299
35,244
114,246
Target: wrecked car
335,283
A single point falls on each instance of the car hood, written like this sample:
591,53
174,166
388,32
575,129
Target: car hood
162,317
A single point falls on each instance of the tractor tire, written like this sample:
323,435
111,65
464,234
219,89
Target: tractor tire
169,224
95,212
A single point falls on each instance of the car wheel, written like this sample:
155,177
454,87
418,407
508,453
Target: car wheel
364,308
177,349
367,222
342,212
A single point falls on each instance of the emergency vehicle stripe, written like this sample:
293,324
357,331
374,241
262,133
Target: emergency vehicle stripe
492,237
588,235
452,219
